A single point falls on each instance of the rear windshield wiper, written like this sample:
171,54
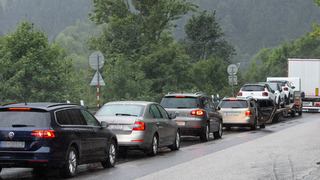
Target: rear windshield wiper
122,114
22,125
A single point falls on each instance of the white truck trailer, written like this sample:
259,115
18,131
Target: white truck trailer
309,72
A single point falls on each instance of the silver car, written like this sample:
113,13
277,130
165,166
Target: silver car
141,125
239,112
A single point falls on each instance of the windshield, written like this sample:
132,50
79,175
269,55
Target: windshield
233,104
121,110
179,102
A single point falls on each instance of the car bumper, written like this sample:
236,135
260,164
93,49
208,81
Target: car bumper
42,157
136,139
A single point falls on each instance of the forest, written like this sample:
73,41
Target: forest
151,48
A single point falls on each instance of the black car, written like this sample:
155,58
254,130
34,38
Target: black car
53,136
195,114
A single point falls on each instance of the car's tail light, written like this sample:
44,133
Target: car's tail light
197,112
233,99
43,133
19,109
139,126
239,93
285,88
316,104
248,113
265,94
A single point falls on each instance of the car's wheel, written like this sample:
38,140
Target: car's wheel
70,168
112,156
176,145
262,126
205,133
153,150
255,124
0,169
218,134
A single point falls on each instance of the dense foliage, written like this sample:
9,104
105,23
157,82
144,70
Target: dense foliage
33,70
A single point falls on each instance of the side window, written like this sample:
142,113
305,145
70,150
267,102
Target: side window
89,118
76,117
69,117
206,103
63,118
163,112
154,111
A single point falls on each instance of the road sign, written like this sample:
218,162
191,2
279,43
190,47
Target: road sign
233,80
96,60
232,69
95,78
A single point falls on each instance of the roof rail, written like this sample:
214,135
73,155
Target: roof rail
198,93
60,104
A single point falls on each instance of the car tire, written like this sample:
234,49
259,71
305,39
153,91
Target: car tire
153,150
111,156
70,168
262,126
176,145
0,169
287,100
205,133
218,134
255,124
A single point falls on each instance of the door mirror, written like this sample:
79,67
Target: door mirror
104,124
172,116
292,87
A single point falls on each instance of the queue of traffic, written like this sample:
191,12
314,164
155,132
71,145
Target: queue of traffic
60,136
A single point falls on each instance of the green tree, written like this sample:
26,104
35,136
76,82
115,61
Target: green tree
33,70
142,60
204,38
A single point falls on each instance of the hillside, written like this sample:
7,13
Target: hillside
248,24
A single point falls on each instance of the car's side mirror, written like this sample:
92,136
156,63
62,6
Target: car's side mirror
172,116
293,87
302,94
218,108
104,124
272,91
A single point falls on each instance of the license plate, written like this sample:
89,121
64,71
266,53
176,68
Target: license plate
116,127
12,144
307,103
231,114
181,123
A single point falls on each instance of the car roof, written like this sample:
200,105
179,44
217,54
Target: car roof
144,103
40,105
197,94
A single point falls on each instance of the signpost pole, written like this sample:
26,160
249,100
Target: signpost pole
98,84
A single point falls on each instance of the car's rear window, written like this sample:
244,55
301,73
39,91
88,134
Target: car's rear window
24,119
179,102
121,110
233,104
252,88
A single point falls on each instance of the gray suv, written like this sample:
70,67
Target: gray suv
195,114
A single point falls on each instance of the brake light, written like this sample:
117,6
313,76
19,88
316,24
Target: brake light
316,104
248,113
43,133
265,94
180,96
197,112
239,93
19,109
139,126
233,99
285,88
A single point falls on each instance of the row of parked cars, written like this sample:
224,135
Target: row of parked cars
62,136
